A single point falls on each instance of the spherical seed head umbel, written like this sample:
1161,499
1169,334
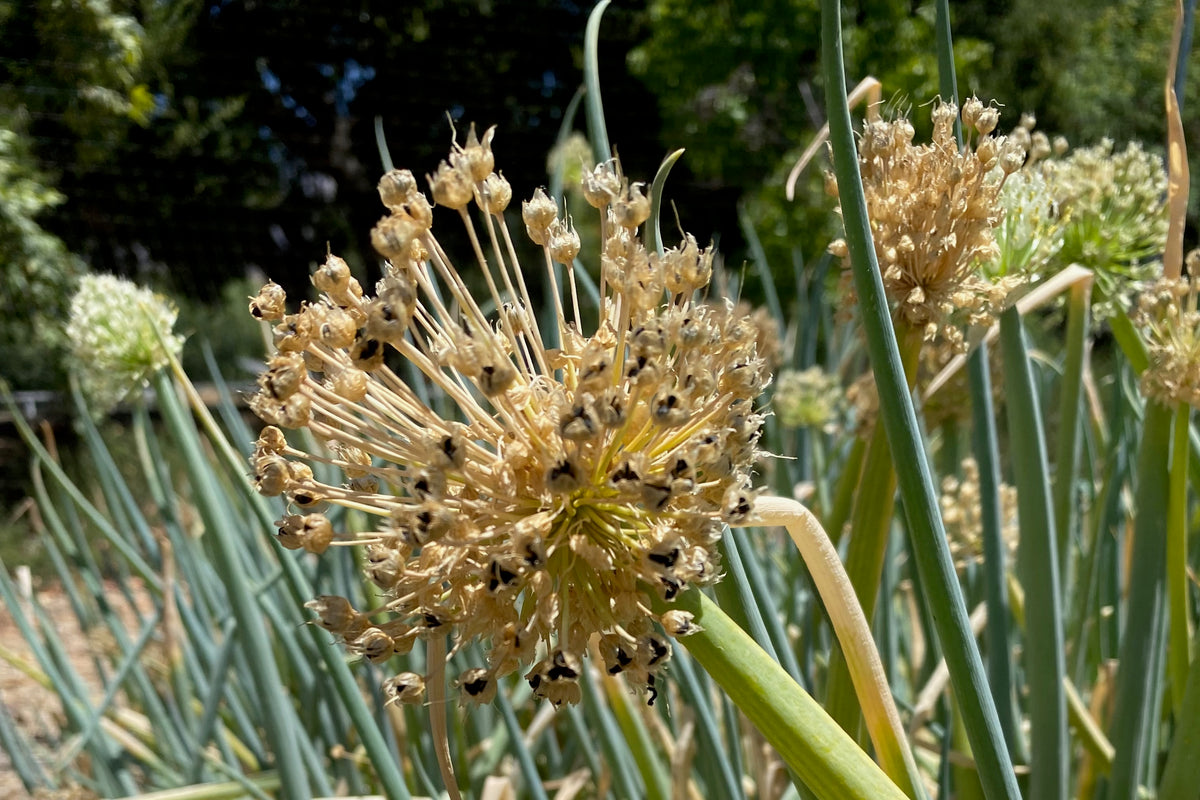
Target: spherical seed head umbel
570,483
1169,314
933,208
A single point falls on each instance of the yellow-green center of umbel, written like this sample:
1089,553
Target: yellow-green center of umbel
594,547
594,517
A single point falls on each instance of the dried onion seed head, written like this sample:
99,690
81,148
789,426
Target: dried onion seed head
933,208
569,484
1169,314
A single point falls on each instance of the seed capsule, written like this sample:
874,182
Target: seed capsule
268,304
407,688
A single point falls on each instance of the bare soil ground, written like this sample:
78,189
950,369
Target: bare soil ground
37,710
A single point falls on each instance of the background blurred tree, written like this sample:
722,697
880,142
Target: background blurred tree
37,269
78,80
738,84
197,142
258,146
1095,69
79,65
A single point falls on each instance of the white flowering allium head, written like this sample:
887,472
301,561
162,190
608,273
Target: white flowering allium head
120,334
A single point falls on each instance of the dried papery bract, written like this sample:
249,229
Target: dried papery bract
933,208
569,483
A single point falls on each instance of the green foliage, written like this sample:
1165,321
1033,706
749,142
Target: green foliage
1095,70
37,273
736,80
80,71
90,68
1088,70
91,88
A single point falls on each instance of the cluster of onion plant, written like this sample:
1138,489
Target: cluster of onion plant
578,475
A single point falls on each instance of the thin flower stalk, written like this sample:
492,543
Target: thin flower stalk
933,211
916,484
870,527
1168,313
829,763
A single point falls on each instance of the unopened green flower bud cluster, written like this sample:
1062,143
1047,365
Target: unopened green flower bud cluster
1099,207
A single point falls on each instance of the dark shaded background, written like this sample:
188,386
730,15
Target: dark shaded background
255,145
299,167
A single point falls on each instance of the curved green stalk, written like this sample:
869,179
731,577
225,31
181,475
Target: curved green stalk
853,633
653,231
930,549
828,761
597,131
1182,773
986,449
1136,681
870,527
1045,659
1179,647
1070,403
